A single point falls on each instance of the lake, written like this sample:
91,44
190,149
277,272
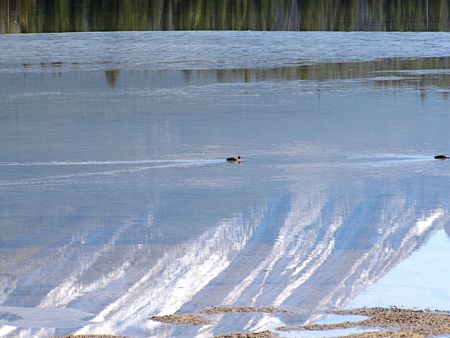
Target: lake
117,204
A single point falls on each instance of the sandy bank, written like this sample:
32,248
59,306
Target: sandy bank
395,322
386,322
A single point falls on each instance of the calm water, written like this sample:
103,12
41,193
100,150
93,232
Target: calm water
116,203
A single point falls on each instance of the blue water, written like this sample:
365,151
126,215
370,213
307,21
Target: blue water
211,50
117,204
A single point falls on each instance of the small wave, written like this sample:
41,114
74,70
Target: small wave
64,179
392,78
95,163
388,160
390,156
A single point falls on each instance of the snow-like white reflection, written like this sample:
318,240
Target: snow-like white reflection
119,203
315,251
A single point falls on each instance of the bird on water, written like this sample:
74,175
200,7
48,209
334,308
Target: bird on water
441,157
234,159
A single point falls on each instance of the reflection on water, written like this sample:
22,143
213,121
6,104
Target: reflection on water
418,73
28,16
112,76
422,74
117,203
310,247
433,281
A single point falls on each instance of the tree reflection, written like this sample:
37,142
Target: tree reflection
112,75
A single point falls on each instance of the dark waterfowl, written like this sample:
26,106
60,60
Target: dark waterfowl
441,157
234,159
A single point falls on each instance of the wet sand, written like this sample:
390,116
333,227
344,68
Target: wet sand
396,322
385,335
386,322
240,309
183,319
263,334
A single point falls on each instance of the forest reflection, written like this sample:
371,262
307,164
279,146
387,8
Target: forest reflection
32,16
393,73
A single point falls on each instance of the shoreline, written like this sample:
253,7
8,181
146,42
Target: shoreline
379,322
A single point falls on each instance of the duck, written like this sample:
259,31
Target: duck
441,157
234,159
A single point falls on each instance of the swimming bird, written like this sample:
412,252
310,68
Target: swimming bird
234,159
441,157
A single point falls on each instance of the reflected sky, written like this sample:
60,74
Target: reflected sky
117,204
211,50
430,290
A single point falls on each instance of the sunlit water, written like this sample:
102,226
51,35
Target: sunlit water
117,203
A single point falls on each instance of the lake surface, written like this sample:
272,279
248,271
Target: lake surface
116,203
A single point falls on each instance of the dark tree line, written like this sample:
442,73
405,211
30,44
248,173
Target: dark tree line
29,16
